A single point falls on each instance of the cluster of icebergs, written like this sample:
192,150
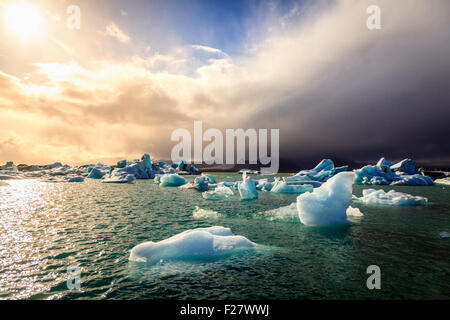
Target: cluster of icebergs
384,172
123,172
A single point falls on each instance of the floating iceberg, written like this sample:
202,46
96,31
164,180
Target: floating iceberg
445,181
327,204
247,188
190,245
75,179
99,171
9,166
220,193
444,234
210,178
200,213
172,180
386,173
119,175
354,212
321,173
282,187
391,198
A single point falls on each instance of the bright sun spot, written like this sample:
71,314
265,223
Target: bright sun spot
24,20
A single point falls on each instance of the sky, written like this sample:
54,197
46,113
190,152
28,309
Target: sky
137,70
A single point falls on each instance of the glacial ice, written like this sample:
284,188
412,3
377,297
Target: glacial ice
391,198
75,179
200,213
282,187
444,234
210,178
172,180
192,244
321,173
219,193
247,188
119,175
445,181
327,204
354,212
385,173
99,171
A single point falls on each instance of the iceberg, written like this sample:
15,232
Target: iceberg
210,178
247,188
264,185
282,187
200,213
121,163
385,173
391,198
75,179
320,173
192,244
99,171
119,175
9,166
172,180
220,193
354,212
444,234
445,181
328,204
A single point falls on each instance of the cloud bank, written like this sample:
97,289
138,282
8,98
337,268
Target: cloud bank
332,87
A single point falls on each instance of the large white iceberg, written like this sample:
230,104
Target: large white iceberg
391,198
327,204
386,173
190,245
247,188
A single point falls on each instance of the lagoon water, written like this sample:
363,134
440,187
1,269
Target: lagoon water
47,227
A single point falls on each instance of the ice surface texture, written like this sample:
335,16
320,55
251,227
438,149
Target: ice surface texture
190,245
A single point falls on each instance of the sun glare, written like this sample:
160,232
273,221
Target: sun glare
24,20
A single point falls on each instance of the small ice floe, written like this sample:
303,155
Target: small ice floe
328,204
283,187
444,234
391,198
192,244
172,180
219,193
354,212
444,181
200,213
247,188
